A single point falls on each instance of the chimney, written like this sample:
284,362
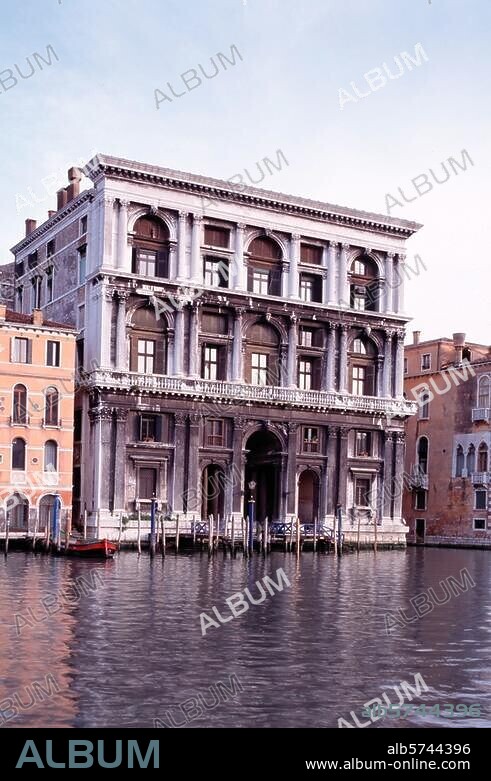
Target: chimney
73,189
61,198
3,312
51,213
30,226
37,317
416,335
459,344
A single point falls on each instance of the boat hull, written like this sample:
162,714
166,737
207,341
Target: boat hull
99,549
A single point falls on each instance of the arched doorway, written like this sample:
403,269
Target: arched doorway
17,512
263,467
212,492
46,511
308,496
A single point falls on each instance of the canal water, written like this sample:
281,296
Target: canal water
130,649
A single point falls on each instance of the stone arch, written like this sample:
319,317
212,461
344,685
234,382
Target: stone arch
144,211
261,233
358,253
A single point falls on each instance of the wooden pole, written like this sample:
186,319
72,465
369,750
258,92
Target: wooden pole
266,536
315,534
46,534
35,532
210,535
7,524
98,523
244,534
290,546
217,532
120,530
297,542
177,532
194,530
358,534
85,524
164,541
340,530
138,533
335,536
375,535
232,541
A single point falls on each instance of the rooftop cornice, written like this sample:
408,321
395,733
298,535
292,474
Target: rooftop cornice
46,226
219,189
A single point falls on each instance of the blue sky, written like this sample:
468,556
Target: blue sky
113,54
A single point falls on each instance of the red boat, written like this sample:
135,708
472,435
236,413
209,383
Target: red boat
99,549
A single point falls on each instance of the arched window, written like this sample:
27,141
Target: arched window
18,454
264,267
364,285
262,355
19,408
471,460
150,247
51,407
422,454
362,360
459,461
482,458
484,393
424,405
50,456
148,342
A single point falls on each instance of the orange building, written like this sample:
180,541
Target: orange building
37,360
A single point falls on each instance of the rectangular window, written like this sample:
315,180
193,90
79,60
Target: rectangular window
217,237
479,524
362,491
310,439
358,383
36,293
216,272
305,375
147,483
480,500
148,428
146,356
82,265
311,254
146,261
420,499
21,350
214,432
49,285
311,288
425,362
50,248
424,406
52,353
306,337
363,443
358,302
260,282
210,363
259,369
405,366
32,260
83,225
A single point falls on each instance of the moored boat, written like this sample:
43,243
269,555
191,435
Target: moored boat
100,549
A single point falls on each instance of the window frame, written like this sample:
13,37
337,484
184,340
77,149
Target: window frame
480,521
56,449
368,453
57,351
310,444
145,356
24,455
356,495
483,492
18,341
423,367
215,432
260,369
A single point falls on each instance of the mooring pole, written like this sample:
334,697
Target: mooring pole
340,529
7,524
152,526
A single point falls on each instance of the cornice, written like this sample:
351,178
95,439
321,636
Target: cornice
218,189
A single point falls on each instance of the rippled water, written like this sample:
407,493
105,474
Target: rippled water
133,650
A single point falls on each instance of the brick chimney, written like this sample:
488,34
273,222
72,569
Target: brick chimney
3,312
30,226
74,178
61,198
459,344
37,317
416,335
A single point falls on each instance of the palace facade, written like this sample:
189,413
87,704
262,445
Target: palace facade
229,341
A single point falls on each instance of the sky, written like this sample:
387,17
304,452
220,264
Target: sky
99,96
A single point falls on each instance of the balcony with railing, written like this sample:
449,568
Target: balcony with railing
481,414
419,478
222,390
481,478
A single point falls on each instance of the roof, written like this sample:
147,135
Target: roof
22,319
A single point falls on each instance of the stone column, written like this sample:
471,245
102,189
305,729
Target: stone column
388,364
343,470
237,375
291,485
193,477
379,378
330,362
343,359
389,282
105,441
107,232
292,353
238,466
120,459
332,297
388,490
179,460
196,265
293,283
343,292
399,367
121,357
193,339
178,341
399,447
400,284
181,246
104,330
332,469
240,282
123,234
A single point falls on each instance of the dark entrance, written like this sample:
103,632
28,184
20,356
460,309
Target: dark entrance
263,466
308,496
420,529
212,492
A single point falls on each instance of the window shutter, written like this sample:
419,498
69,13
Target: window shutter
138,423
159,366
316,375
317,289
162,265
134,354
29,351
158,428
370,380
250,275
275,282
12,349
133,260
222,363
